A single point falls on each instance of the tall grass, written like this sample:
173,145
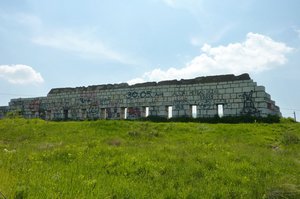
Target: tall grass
124,159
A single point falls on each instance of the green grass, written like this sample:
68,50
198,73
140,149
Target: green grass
124,159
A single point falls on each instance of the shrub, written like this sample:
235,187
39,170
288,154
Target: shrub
287,120
133,134
13,114
114,142
217,119
154,119
289,138
284,191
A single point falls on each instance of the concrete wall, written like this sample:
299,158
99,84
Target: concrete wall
237,95
3,111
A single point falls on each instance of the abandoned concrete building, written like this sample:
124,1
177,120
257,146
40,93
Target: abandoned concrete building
224,95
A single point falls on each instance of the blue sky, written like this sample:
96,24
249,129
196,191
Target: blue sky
64,43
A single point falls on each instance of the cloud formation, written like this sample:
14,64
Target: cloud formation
81,44
256,54
82,41
20,74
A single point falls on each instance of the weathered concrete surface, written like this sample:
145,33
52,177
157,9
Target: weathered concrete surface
237,95
3,111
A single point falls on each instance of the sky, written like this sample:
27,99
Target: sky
65,43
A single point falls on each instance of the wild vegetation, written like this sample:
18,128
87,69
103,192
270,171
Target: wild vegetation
142,159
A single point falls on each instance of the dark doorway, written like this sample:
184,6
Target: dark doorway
66,114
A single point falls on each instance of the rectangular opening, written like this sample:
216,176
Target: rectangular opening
49,115
66,114
194,111
146,111
170,110
125,113
83,114
220,110
103,113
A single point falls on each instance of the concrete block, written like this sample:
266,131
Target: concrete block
248,89
238,100
245,84
221,91
226,96
234,85
259,99
260,94
229,90
259,88
237,90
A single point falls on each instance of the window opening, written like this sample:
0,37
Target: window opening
220,110
146,111
194,111
66,114
103,113
170,109
125,113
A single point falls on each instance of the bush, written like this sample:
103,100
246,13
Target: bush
289,138
154,119
284,191
114,142
134,134
287,120
217,119
13,114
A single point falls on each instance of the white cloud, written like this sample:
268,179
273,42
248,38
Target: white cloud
81,44
20,74
135,81
256,54
82,41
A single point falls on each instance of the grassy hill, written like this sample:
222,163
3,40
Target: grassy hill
124,159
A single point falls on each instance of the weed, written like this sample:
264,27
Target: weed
21,192
290,191
143,159
289,138
133,134
114,142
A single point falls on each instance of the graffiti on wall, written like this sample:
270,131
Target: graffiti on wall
134,113
74,113
206,98
204,101
206,104
179,103
205,94
88,98
248,105
92,112
110,102
112,113
153,111
34,105
143,94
